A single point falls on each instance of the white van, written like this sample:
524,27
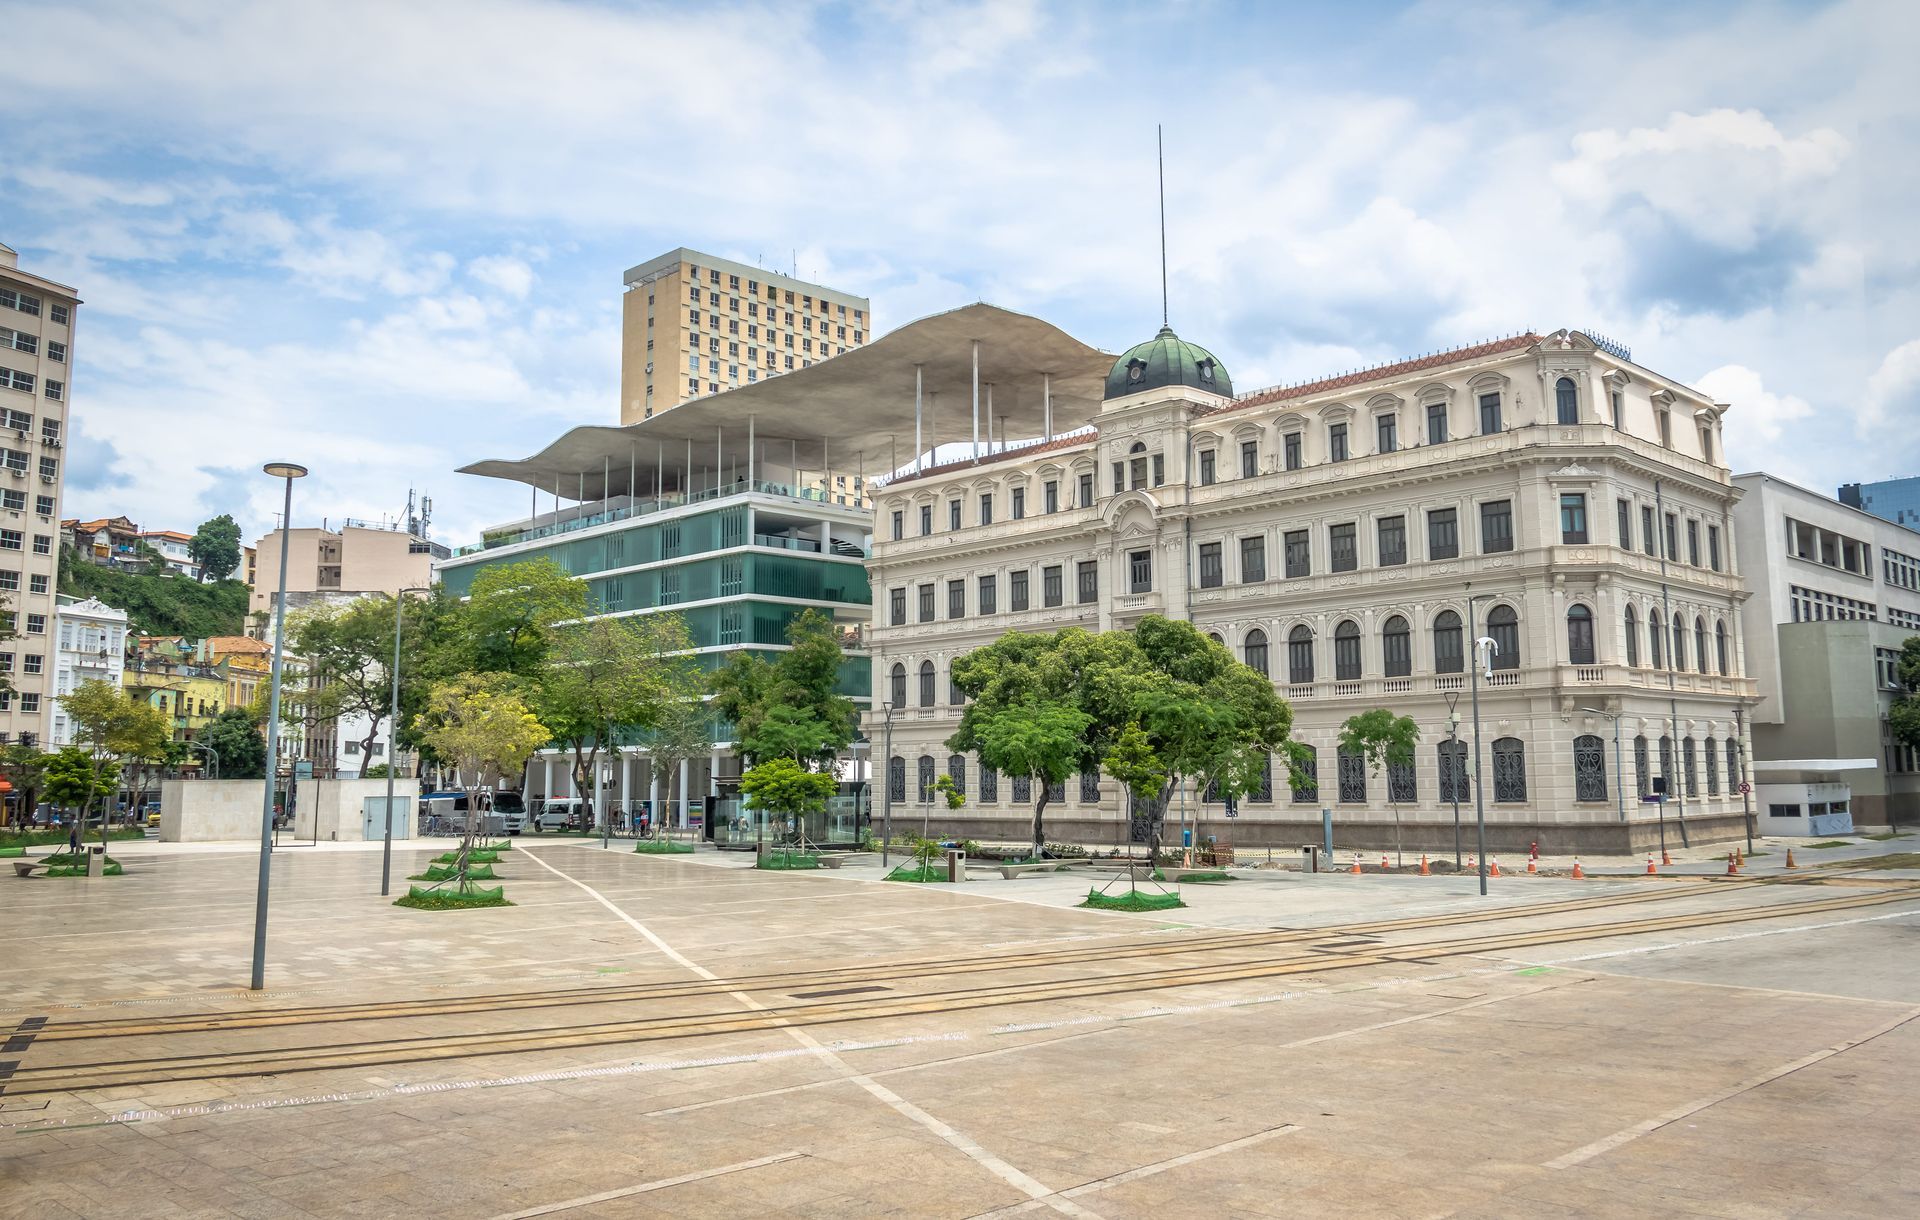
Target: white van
562,814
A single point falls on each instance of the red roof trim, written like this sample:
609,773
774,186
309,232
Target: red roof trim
1383,372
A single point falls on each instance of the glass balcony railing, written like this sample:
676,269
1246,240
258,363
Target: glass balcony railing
642,509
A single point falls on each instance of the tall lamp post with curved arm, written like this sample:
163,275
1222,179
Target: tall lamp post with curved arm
1485,648
288,471
213,753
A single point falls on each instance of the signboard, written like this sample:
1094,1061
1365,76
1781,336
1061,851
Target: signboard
1744,788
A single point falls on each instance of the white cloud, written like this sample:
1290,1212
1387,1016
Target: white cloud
1893,391
508,274
1756,412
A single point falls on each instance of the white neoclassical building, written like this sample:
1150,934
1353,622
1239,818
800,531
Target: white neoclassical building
1351,537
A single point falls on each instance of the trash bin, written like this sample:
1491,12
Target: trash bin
956,865
1309,857
96,861
1186,837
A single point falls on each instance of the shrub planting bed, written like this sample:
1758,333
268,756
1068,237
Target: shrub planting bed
788,861
446,872
1132,900
420,899
916,872
662,847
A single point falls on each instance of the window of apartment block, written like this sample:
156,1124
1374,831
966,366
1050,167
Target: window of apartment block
11,540
1649,540
1443,533
1249,459
1713,547
1337,443
1017,590
1343,547
32,663
897,607
1206,468
1290,446
956,598
953,514
1086,491
1159,469
899,524
1253,559
1087,572
1050,496
36,624
1139,574
926,519
1436,423
1665,420
36,584
1298,552
1693,542
1212,572
1386,434
1391,535
926,603
1051,591
989,596
1573,517
1489,414
986,509
1017,498
1496,526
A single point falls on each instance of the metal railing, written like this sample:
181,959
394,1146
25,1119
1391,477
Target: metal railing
644,508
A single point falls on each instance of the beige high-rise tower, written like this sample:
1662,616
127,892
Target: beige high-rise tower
37,318
695,324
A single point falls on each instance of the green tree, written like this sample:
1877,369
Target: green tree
25,768
1163,703
785,789
1903,718
684,733
791,706
112,725
480,726
348,650
235,736
162,603
1386,742
75,779
609,676
216,547
511,614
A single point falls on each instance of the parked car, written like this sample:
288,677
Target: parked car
566,814
512,811
153,818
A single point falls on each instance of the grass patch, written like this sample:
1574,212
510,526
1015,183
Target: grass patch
914,872
12,851
1207,878
788,860
1901,859
662,847
446,872
1891,834
1830,843
445,900
112,869
52,835
476,856
1133,900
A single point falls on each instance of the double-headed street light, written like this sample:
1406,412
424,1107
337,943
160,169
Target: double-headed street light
1485,649
886,800
215,754
393,735
288,471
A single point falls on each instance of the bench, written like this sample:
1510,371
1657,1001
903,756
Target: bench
831,861
24,868
1010,871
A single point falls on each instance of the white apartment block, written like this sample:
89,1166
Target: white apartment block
1835,594
37,319
90,646
1351,537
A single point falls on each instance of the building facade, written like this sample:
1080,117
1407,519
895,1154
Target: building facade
1351,538
179,677
37,321
696,324
1895,500
90,642
339,565
1835,594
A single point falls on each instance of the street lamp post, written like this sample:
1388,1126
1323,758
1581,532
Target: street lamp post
886,801
288,471
1490,648
1453,781
215,754
393,737
1619,762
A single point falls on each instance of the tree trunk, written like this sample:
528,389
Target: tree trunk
1156,815
1039,822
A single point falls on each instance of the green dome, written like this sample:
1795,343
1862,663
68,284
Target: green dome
1164,360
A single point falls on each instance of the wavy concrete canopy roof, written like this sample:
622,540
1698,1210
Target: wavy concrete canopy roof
852,413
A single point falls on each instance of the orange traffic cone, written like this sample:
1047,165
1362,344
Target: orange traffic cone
1790,863
1579,874
1666,860
1533,864
1651,871
1424,870
1356,864
1383,862
1733,869
1739,858
1495,870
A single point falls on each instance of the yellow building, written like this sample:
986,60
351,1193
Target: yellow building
179,677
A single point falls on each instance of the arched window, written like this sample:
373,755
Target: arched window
1633,638
1346,651
1666,762
1642,783
1402,785
1089,787
1679,641
955,696
1216,637
1579,636
1137,466
1306,782
897,778
897,686
1589,768
926,778
1720,645
1655,641
1700,658
1733,765
1509,770
1687,767
957,769
1353,777
926,684
1710,759
1396,648
1300,654
1567,401
1256,651
1023,789
1504,626
1449,653
989,785
1454,785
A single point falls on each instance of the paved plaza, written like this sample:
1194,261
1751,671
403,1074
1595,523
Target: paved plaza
684,1036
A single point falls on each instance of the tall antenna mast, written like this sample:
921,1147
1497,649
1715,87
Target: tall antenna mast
1160,158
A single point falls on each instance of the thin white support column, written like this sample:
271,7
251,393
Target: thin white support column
826,476
659,473
918,449
1046,404
683,793
633,476
546,787
719,457
580,500
536,503
976,400
750,447
626,785
653,793
686,488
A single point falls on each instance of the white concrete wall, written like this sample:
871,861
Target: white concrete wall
337,804
210,810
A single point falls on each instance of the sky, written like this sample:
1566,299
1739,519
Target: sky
385,239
